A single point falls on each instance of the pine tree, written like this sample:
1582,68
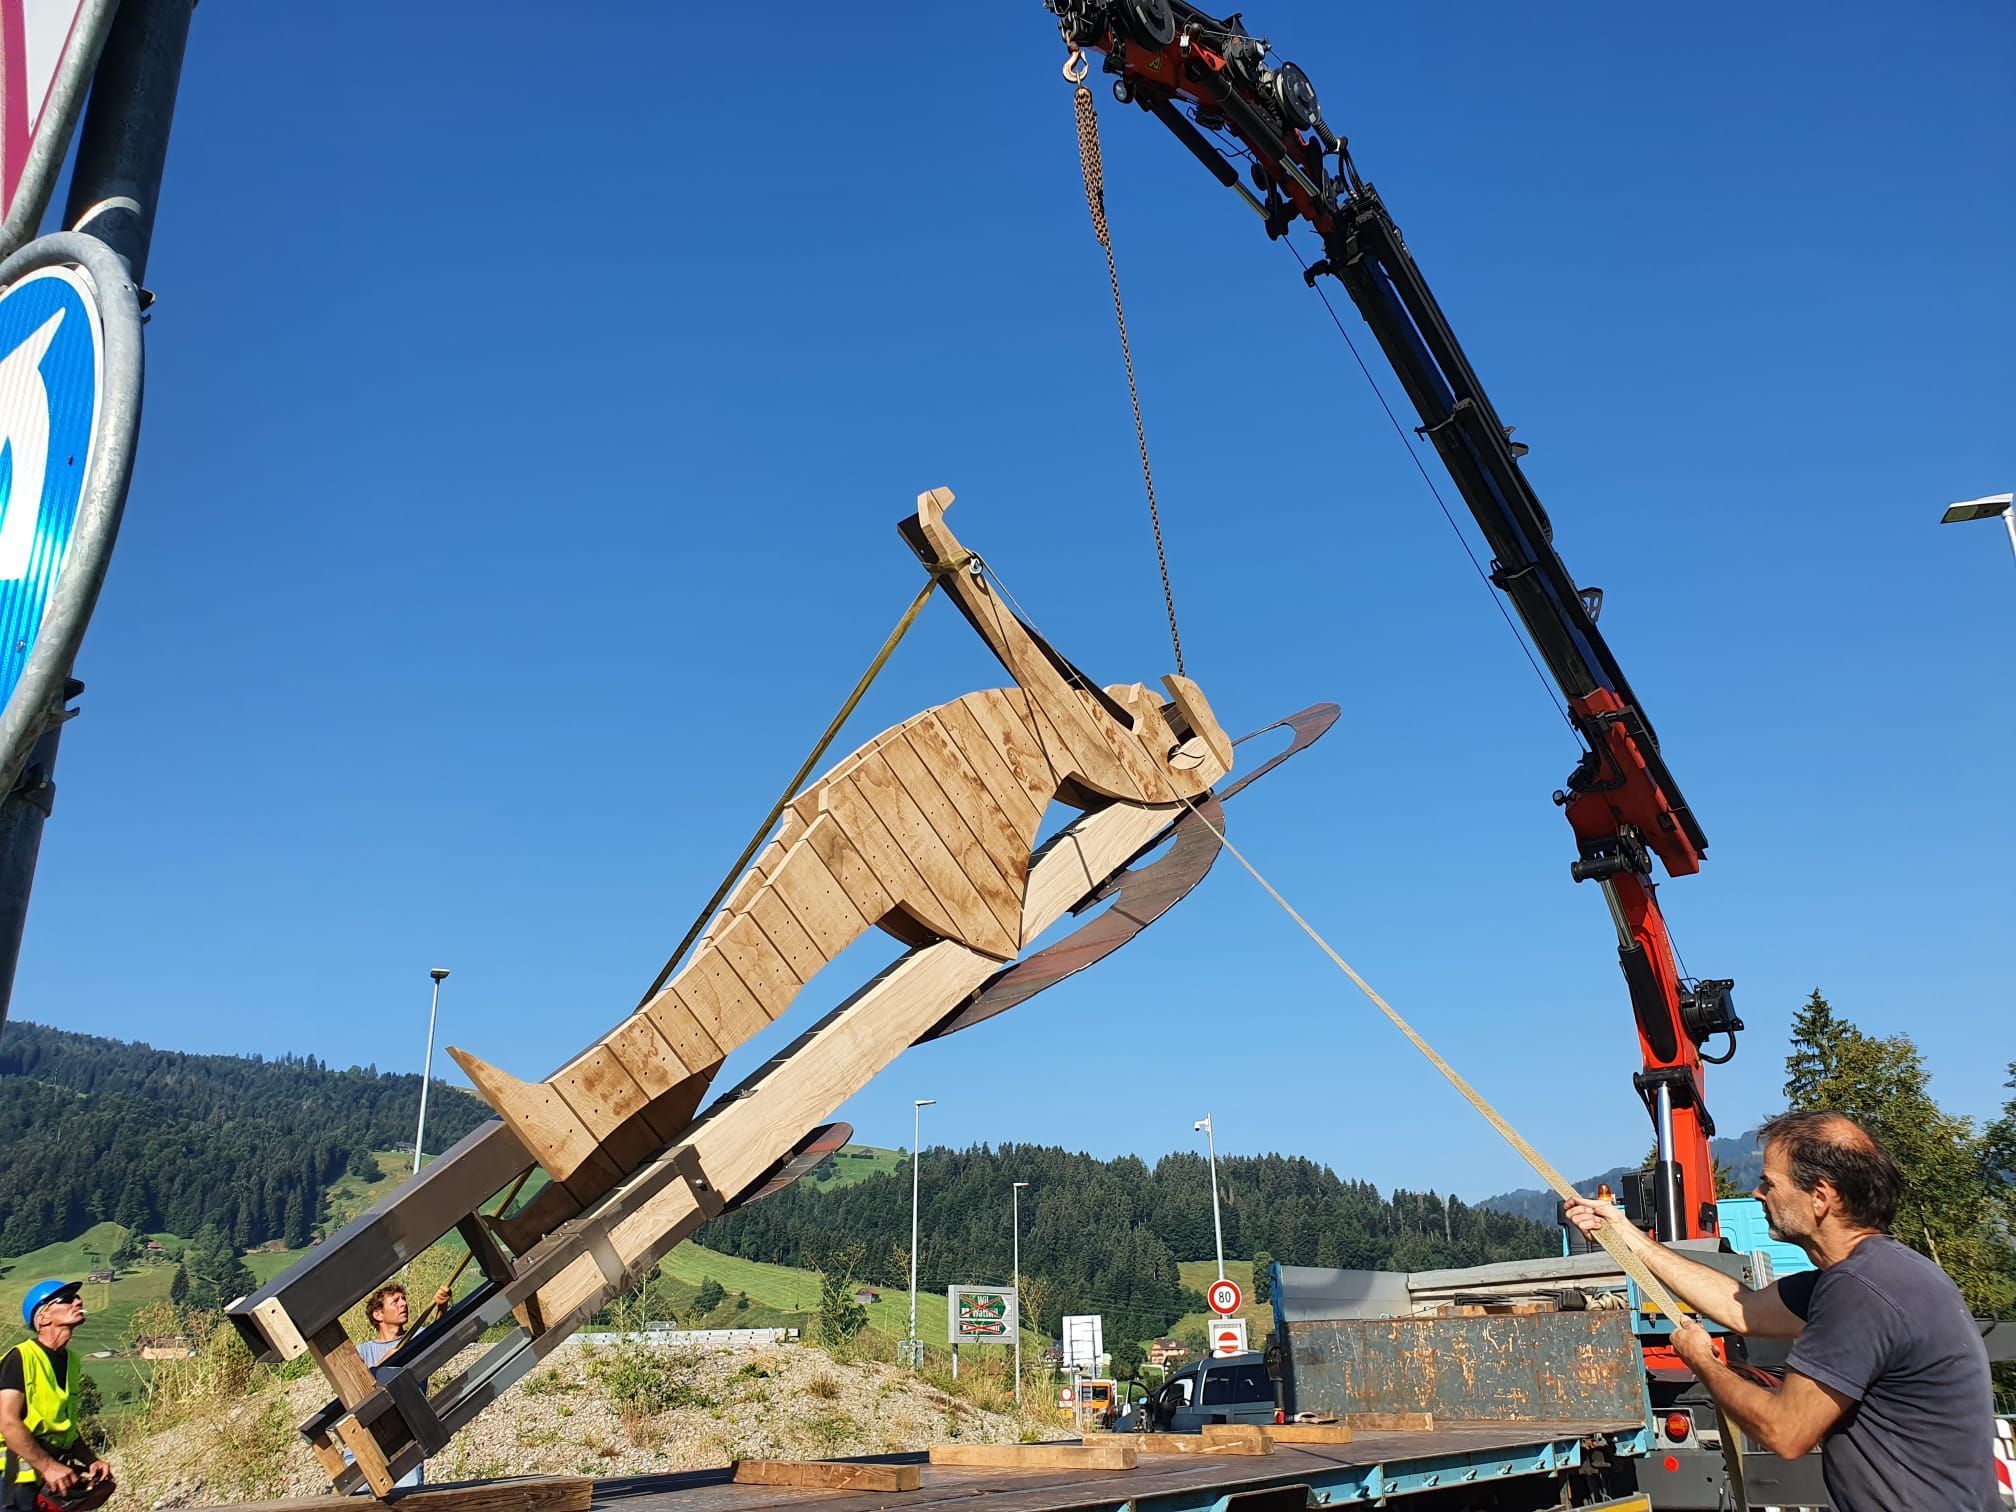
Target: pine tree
1263,1276
1948,1208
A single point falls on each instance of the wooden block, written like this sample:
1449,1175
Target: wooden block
778,922
762,968
340,1362
549,1128
544,1493
645,1056
1184,1443
365,1449
828,1475
673,1019
1309,1433
599,1090
1391,1422
1115,1453
727,1022
818,902
1250,1435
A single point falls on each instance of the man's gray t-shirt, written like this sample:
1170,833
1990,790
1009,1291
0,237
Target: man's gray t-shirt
1888,1328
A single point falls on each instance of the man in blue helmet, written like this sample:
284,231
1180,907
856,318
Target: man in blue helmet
47,1452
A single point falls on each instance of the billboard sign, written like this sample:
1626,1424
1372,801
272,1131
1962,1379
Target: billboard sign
1084,1340
48,48
980,1314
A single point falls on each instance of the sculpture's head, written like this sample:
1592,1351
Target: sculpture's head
1182,735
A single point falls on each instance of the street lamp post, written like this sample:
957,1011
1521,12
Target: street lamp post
1217,1228
1015,1203
917,1107
1985,508
440,974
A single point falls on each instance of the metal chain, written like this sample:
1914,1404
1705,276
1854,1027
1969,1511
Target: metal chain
1095,201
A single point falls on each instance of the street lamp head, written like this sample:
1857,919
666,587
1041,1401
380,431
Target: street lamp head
924,1102
1985,508
439,973
1020,1184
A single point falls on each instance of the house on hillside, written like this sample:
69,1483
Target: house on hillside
105,1277
165,1347
1166,1352
867,1295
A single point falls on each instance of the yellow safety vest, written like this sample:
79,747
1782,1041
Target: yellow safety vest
52,1414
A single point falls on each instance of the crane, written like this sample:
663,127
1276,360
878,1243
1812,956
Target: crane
1225,96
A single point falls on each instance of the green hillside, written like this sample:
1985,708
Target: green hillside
854,1164
1200,1274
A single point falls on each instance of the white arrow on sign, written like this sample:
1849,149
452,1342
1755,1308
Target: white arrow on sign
24,439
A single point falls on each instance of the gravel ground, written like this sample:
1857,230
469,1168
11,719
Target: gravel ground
592,1410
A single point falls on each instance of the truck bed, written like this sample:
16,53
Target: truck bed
1374,1465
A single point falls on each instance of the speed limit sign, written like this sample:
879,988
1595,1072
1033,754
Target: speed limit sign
1224,1297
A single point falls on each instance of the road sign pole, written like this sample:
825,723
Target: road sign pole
114,188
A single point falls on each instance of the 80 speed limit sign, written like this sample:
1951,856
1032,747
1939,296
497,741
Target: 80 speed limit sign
1224,1297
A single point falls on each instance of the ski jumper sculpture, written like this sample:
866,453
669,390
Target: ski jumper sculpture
925,832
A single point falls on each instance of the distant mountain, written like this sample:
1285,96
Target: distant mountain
1740,1155
95,1129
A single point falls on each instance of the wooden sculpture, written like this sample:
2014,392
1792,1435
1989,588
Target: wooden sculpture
925,832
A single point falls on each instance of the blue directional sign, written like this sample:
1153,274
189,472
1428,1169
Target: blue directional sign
51,366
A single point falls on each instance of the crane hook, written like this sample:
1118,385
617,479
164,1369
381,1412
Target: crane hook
1076,67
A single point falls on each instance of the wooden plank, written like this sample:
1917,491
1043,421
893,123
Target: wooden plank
1019,802
1391,1422
787,934
1006,844
762,968
340,1362
854,812
545,1124
944,808
998,714
599,1090
675,1020
1309,1433
828,1475
1248,1436
645,1056
367,1452
974,923
848,867
1185,1443
542,1493
818,902
1115,1453
715,996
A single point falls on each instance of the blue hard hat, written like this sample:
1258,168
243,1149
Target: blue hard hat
43,1292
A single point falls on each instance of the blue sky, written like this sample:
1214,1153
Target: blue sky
530,408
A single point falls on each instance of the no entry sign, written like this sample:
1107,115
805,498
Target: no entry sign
1228,1338
1224,1296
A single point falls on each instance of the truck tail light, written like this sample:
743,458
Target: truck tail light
1280,1416
1678,1426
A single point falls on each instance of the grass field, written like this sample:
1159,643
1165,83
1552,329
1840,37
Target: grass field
856,1163
1259,1316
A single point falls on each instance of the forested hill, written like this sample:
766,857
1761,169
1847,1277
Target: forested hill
1108,1234
92,1129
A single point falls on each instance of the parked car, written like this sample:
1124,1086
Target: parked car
1232,1390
